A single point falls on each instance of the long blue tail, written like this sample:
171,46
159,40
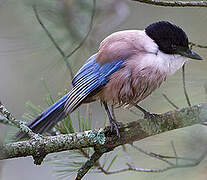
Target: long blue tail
47,119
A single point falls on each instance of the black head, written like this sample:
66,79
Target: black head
170,39
167,36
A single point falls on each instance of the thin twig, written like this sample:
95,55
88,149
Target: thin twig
195,163
89,30
47,32
197,45
172,157
5,121
97,164
52,39
65,57
174,3
115,171
19,124
169,101
171,165
184,86
90,163
86,36
152,155
175,153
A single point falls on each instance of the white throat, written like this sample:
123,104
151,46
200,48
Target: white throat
166,63
169,63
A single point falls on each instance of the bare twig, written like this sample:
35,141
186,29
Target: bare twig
192,164
5,121
131,167
184,86
172,157
169,101
65,57
195,163
197,45
52,39
90,163
152,155
86,36
175,153
47,32
171,166
174,3
19,124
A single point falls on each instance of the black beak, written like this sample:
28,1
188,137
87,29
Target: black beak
188,53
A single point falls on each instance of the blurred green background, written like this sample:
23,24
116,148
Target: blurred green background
27,56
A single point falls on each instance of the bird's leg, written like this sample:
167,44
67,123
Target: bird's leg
148,115
112,112
113,122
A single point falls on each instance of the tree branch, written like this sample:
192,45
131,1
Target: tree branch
90,163
174,3
130,132
5,121
19,124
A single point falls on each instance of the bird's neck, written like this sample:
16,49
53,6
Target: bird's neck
169,63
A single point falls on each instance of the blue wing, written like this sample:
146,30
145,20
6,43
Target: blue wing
88,79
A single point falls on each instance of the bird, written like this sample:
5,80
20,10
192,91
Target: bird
128,66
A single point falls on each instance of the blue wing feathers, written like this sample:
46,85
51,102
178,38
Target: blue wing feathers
92,68
59,105
89,78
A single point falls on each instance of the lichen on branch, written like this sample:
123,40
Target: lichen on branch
103,138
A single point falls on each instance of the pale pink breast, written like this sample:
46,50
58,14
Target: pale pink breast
132,83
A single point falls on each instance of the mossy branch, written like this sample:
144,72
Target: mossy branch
103,138
10,119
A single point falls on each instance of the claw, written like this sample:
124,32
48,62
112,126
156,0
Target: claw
152,118
114,125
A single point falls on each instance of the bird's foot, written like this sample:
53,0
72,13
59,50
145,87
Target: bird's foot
152,117
114,126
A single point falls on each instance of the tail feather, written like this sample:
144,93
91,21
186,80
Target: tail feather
46,120
58,111
79,95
